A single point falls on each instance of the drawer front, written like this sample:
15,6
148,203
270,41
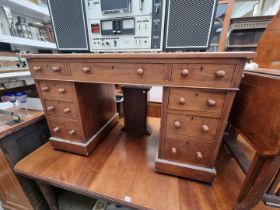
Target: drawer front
205,75
66,129
186,151
200,128
119,72
46,70
57,90
60,109
196,100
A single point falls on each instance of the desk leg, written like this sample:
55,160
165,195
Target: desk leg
48,193
257,181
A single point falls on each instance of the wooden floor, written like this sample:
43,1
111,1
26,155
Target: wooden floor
124,166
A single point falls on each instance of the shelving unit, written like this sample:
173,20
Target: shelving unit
27,7
19,41
31,10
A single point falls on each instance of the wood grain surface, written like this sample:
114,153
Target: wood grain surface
247,55
256,112
124,166
268,54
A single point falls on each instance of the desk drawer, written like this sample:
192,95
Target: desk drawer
204,75
201,128
66,129
187,151
46,70
57,90
118,72
61,109
196,100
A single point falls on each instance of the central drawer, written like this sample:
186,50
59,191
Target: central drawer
201,128
66,129
57,90
118,72
196,100
60,109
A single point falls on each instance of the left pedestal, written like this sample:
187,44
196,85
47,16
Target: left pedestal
79,115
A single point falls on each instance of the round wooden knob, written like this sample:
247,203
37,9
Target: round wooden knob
71,132
182,101
211,102
185,72
177,124
44,89
86,69
56,129
199,155
140,71
61,90
220,74
174,150
205,128
56,68
37,68
66,110
50,108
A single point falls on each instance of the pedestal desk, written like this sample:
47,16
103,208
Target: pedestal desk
77,93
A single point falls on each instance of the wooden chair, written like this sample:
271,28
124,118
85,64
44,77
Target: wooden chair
256,116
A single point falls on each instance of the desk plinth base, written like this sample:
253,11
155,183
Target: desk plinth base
86,147
198,173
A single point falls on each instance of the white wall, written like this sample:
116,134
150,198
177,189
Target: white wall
243,8
271,7
155,94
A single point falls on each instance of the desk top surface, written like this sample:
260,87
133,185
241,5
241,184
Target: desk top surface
124,166
27,120
246,55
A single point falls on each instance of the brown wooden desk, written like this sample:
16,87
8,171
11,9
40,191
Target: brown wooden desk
77,93
124,166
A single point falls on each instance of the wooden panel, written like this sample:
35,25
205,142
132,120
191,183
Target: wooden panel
56,90
47,70
201,128
67,129
118,72
154,109
186,151
206,75
11,193
61,109
196,100
268,54
97,105
256,112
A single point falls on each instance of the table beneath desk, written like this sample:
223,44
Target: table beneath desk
123,165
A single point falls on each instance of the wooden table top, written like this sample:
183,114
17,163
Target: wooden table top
27,120
124,166
164,55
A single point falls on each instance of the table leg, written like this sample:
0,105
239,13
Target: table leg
257,181
48,193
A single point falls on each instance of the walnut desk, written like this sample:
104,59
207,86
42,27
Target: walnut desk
78,97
